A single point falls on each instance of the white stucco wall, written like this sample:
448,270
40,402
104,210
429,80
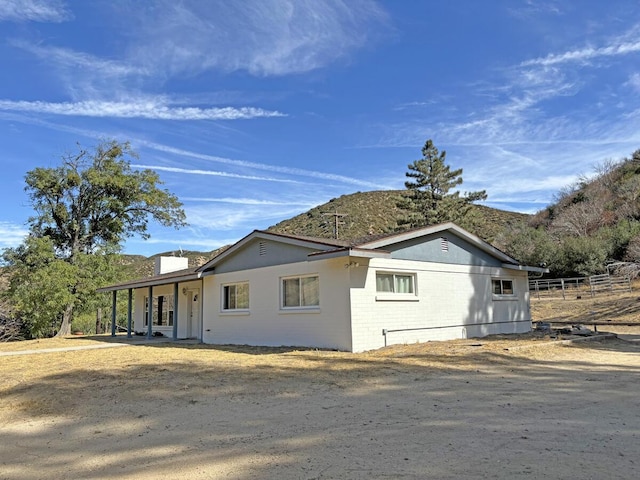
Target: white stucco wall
452,301
266,323
139,308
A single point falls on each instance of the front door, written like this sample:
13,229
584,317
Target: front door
193,314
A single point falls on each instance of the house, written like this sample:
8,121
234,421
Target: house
434,283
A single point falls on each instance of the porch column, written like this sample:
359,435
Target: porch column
150,313
175,311
129,316
113,313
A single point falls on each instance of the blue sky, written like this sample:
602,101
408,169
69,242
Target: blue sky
255,111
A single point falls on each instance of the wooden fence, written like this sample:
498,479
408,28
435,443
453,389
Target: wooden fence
578,286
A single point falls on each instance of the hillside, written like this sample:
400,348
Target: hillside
361,214
592,224
141,266
376,212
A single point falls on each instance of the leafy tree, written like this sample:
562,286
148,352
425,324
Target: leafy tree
84,209
531,246
428,199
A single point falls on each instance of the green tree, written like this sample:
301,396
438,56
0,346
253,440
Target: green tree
84,209
428,200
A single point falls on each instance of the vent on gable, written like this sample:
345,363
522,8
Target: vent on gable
444,244
262,248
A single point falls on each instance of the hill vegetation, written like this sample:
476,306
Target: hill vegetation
592,224
377,212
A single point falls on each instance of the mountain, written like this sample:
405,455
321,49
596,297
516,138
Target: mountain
371,213
357,215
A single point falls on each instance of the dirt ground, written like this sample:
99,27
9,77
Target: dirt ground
525,406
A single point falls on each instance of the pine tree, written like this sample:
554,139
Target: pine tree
427,199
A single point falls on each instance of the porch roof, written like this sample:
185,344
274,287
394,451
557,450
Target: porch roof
185,275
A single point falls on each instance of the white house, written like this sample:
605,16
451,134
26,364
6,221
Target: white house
434,283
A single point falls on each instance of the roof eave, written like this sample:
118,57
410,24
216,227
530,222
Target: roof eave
151,282
525,268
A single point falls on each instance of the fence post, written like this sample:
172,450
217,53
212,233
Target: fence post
562,283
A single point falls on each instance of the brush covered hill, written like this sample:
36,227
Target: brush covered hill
361,214
139,266
372,213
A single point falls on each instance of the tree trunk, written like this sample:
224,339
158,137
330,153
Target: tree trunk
65,328
99,321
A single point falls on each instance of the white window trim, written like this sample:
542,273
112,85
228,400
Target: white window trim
394,296
300,308
232,311
504,296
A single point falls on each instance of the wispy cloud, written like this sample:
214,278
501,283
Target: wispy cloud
585,54
261,166
533,118
274,37
66,58
532,8
11,235
244,220
149,109
246,201
34,11
213,173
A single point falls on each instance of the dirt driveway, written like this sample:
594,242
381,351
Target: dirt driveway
490,408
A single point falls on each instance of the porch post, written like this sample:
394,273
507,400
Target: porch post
150,313
113,313
175,311
129,317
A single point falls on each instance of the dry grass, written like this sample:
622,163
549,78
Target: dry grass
176,410
611,310
148,365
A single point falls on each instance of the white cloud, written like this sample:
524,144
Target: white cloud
244,219
149,109
186,241
73,60
261,166
634,81
34,11
245,201
616,48
214,173
11,235
263,37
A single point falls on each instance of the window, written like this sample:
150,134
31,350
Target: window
301,292
235,296
162,311
395,283
502,287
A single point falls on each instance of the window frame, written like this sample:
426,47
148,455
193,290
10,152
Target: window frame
168,311
300,306
225,288
501,295
394,294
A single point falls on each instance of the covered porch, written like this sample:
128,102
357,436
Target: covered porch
165,305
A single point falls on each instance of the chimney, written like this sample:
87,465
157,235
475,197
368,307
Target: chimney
170,264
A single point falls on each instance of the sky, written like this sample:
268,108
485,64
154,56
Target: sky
255,111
